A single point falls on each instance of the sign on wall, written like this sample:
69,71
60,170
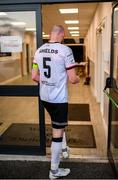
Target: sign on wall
11,44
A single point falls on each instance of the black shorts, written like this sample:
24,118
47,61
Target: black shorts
58,113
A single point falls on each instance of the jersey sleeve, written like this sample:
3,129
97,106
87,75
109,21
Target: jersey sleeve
69,59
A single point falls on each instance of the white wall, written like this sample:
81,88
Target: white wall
101,20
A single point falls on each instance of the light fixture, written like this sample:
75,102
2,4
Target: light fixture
30,29
18,23
70,10
75,35
3,14
116,9
73,28
45,35
115,32
74,32
71,22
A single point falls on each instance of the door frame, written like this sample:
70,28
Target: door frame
51,1
19,90
27,58
99,64
109,153
26,90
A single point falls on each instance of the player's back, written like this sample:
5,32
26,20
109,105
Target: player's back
51,59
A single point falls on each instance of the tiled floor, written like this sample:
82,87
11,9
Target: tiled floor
25,109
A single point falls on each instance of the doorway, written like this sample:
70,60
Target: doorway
27,58
31,90
99,63
81,97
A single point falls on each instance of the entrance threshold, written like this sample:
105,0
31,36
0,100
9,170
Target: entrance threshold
77,158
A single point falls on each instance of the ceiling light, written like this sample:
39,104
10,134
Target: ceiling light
3,14
74,32
18,23
45,35
71,22
30,29
116,9
73,28
71,10
75,35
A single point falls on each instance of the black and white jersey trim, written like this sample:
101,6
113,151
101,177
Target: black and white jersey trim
71,67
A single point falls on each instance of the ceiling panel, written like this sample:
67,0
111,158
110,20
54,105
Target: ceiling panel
51,16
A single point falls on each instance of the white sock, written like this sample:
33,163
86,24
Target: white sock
64,143
56,148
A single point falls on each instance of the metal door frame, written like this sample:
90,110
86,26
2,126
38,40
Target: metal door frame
109,153
19,90
51,1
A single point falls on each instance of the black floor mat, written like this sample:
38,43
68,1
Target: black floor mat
78,112
40,170
78,136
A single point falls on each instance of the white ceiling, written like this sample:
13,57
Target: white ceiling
51,16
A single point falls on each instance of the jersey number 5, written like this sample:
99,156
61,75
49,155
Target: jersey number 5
47,67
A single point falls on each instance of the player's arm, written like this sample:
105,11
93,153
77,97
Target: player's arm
35,72
73,78
70,67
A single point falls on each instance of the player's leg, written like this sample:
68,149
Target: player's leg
56,148
58,113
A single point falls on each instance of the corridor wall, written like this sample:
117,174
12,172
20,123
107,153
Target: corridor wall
100,27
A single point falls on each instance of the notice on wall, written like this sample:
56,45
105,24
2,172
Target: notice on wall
11,44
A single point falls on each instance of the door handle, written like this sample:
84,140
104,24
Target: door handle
111,98
111,83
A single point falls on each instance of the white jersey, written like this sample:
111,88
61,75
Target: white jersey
54,59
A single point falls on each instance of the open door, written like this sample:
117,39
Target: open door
111,91
22,128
